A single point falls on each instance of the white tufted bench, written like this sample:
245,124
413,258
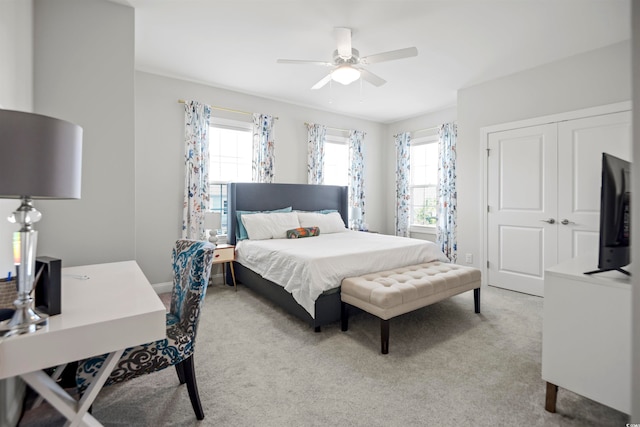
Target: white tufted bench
390,293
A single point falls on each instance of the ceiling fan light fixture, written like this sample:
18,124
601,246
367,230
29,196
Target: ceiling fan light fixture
345,74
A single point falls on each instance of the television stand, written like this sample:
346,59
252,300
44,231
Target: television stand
623,271
586,334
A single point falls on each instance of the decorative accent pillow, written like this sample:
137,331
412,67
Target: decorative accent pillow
241,231
261,226
329,223
298,233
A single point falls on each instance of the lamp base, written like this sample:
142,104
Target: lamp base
213,238
25,320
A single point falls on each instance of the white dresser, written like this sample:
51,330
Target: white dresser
586,338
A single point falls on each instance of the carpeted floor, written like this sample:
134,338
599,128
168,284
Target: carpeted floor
447,366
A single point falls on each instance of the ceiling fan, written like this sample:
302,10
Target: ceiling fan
347,63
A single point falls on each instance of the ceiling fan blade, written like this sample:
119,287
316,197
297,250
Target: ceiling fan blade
372,78
343,39
303,61
322,82
390,56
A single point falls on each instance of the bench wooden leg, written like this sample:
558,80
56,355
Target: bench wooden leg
384,336
476,299
552,396
344,316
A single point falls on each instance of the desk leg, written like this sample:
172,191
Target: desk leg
74,411
55,377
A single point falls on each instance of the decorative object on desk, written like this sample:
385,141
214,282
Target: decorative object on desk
355,216
42,159
48,292
213,222
8,292
192,261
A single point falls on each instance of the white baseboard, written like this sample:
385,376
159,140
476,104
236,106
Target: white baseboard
162,288
165,287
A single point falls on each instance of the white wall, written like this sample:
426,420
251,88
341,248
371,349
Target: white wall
591,79
16,93
84,73
160,168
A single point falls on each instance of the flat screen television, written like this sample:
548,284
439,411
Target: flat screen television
615,215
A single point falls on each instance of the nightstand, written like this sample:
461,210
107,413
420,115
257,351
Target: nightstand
226,254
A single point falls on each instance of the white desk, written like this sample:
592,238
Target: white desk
586,338
113,309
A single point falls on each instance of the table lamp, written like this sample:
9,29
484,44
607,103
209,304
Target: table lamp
41,159
213,222
355,216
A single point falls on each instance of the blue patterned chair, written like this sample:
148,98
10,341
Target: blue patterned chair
191,270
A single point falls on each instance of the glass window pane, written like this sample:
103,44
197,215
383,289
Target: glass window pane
423,181
230,152
336,164
423,206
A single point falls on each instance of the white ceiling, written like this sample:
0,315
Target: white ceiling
234,44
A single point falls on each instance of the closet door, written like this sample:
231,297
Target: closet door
580,146
522,197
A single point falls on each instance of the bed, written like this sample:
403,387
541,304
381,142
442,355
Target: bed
311,296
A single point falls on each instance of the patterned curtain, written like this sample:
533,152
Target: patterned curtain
356,174
196,169
316,138
403,196
263,154
447,224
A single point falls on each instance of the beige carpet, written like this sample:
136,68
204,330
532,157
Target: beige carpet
447,366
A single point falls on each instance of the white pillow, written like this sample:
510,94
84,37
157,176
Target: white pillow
261,226
328,223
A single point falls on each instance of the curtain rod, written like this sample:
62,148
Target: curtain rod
432,128
329,127
182,101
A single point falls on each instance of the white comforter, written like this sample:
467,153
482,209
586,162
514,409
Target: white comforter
307,267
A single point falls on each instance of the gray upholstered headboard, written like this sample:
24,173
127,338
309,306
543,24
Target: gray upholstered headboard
250,196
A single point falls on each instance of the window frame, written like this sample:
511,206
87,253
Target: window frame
230,124
420,228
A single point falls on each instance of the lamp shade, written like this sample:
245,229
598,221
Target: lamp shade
355,213
212,220
41,156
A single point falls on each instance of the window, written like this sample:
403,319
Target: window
336,160
230,152
423,181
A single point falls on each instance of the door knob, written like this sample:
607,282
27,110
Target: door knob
566,222
550,220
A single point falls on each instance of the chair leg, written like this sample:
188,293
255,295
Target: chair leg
180,372
192,387
476,299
